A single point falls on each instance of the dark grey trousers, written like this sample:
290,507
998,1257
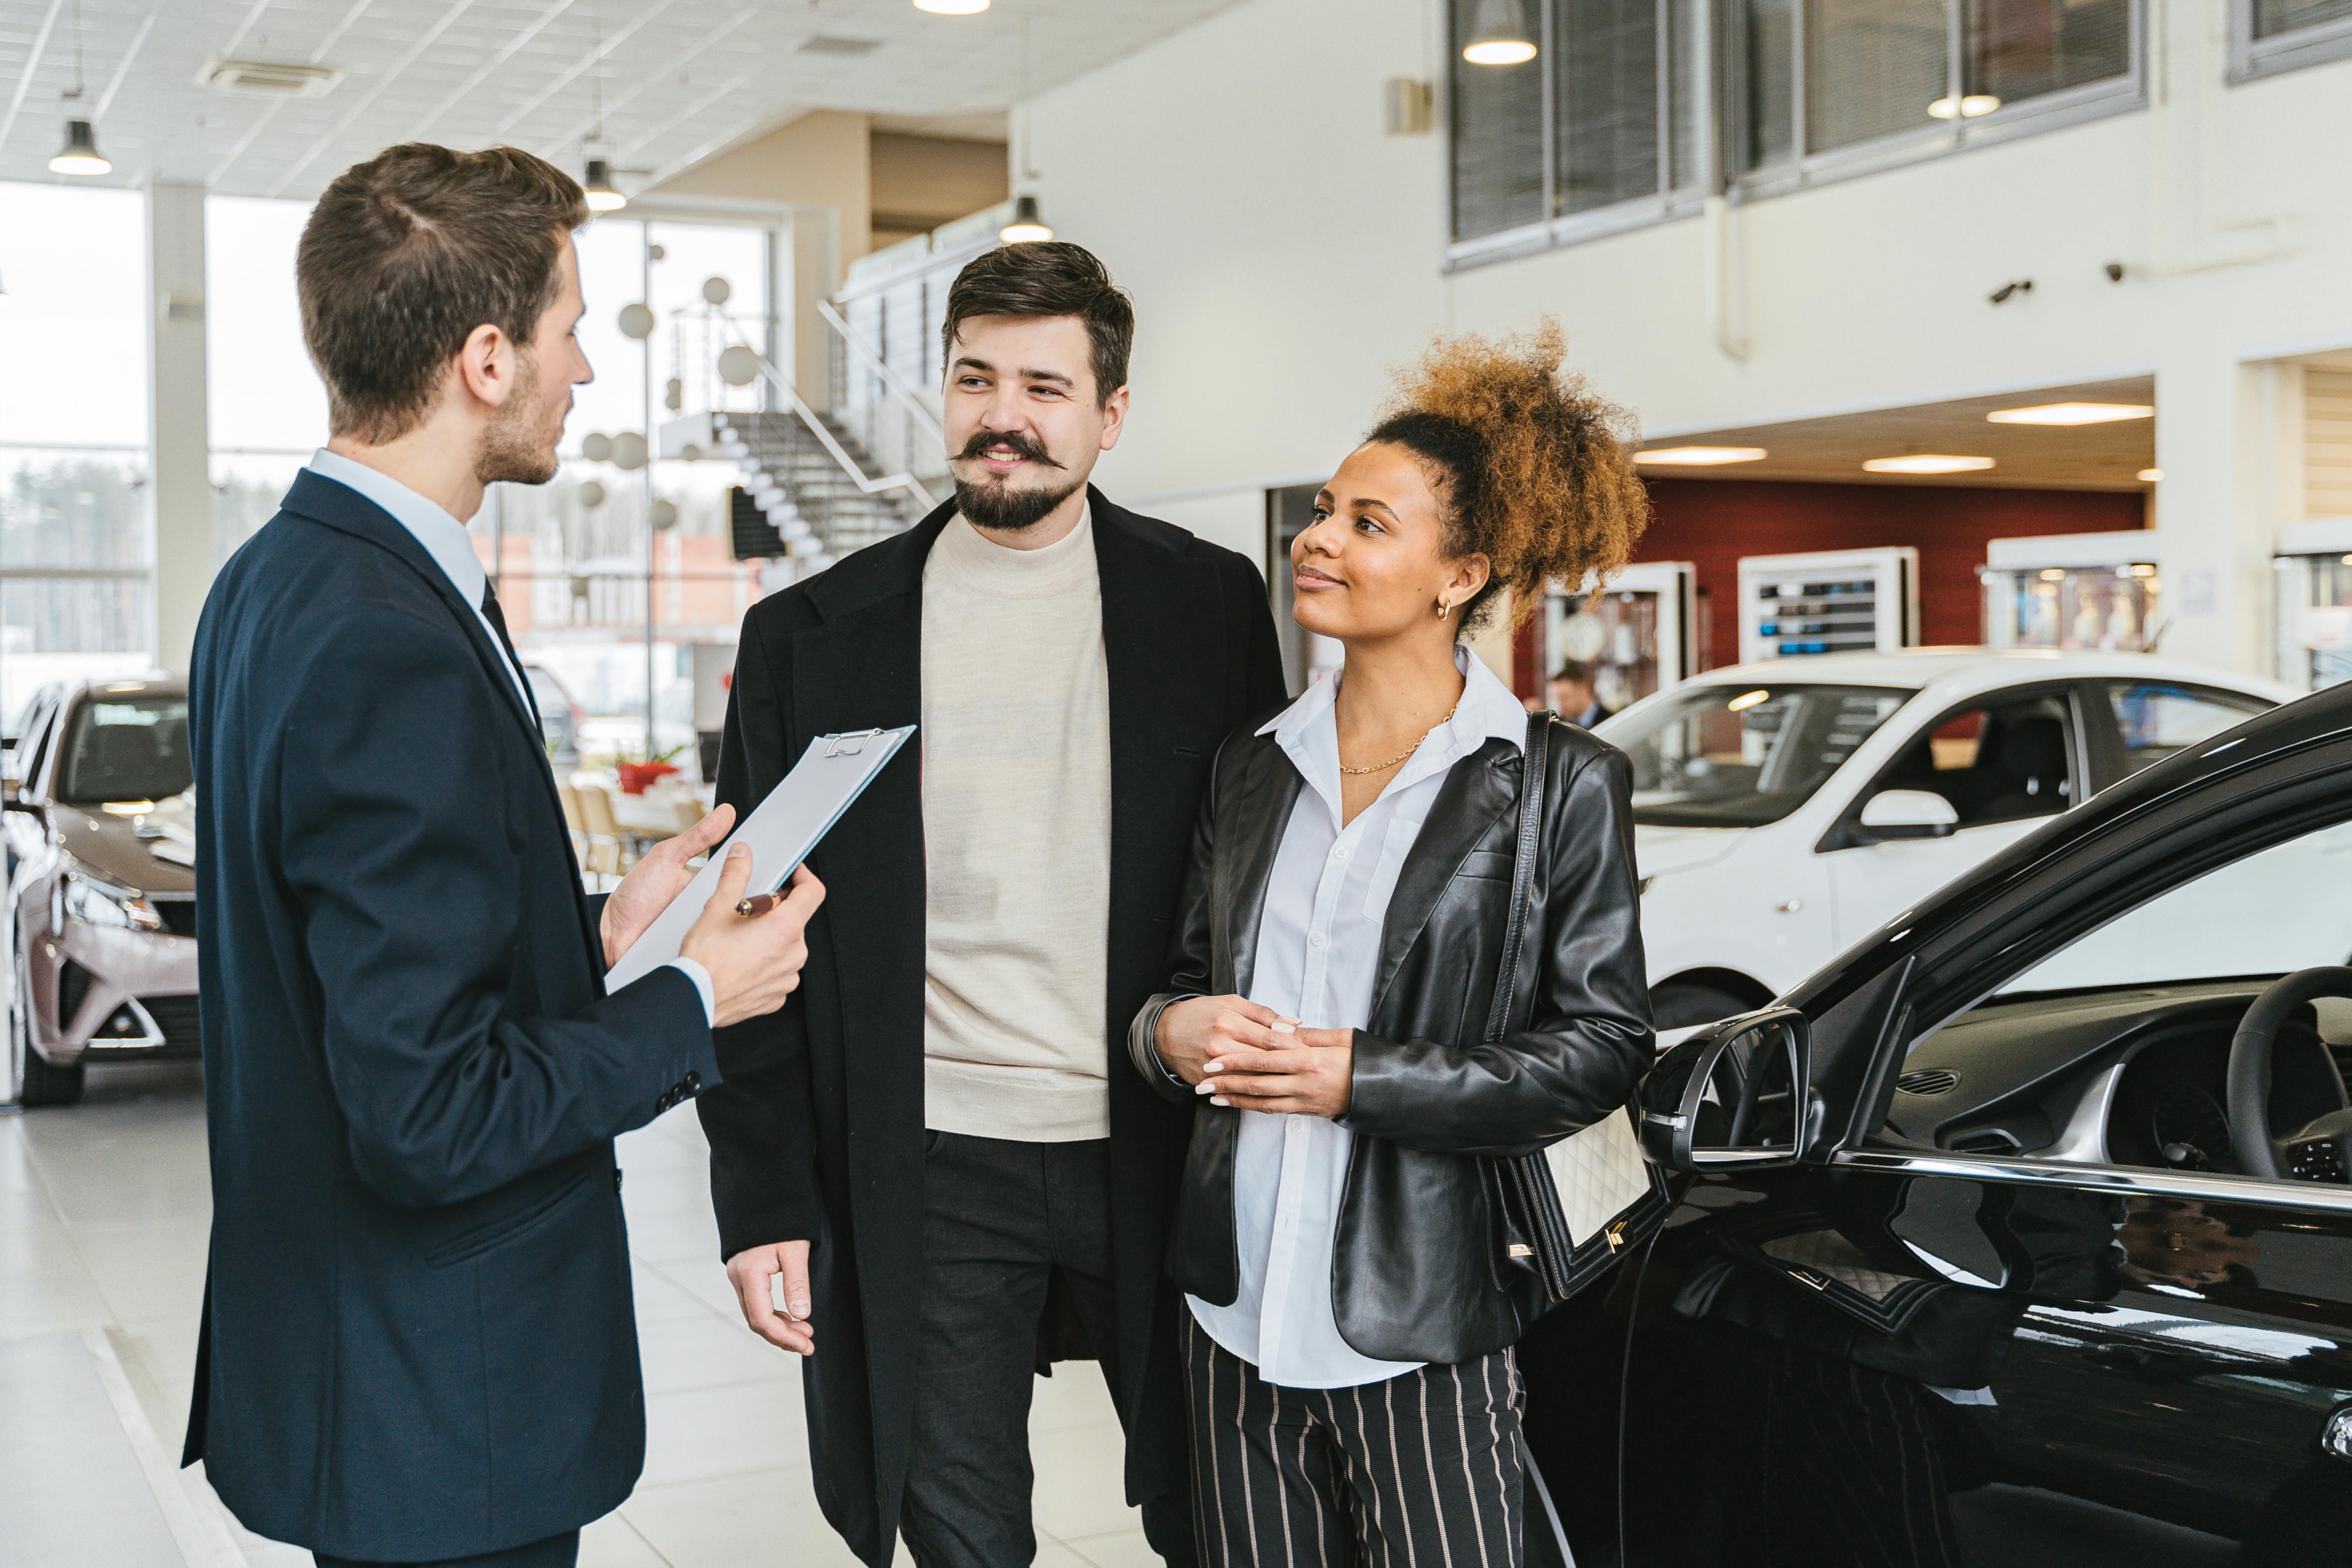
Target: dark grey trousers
1420,1471
999,1217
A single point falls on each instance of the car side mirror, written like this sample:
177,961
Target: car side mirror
1734,1096
1906,814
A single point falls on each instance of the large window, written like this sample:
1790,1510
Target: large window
1597,132
2268,35
1607,126
77,540
1856,83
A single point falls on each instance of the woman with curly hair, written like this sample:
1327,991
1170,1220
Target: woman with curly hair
1347,1340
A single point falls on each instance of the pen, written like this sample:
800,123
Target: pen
758,903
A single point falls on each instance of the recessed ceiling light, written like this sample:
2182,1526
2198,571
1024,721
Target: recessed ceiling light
1926,463
952,7
2072,414
2149,476
1699,457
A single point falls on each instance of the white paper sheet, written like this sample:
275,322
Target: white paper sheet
781,830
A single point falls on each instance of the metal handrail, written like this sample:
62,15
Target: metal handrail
898,388
817,426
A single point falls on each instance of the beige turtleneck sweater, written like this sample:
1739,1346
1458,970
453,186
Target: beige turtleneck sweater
1016,839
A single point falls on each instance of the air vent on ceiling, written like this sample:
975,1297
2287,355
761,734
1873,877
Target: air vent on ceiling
1928,1081
268,79
835,44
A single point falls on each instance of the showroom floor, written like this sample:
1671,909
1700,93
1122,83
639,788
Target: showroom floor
103,1208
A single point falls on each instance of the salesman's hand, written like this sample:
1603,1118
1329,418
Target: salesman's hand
754,960
753,1270
655,880
1193,1030
1313,1078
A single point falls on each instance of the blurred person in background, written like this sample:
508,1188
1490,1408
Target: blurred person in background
417,1343
928,1151
1573,696
1347,1340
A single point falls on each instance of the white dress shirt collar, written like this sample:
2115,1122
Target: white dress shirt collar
443,536
1487,709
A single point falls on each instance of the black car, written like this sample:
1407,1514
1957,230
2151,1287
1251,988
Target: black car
2020,1235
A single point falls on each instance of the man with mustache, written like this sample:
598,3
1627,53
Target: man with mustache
929,1151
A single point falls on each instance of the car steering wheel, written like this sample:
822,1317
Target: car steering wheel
2322,1150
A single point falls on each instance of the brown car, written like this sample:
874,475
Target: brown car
101,891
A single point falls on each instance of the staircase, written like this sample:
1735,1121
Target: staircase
810,498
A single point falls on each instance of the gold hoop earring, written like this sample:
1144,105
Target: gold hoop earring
1443,609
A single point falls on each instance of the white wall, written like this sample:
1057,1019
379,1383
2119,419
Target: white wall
1283,254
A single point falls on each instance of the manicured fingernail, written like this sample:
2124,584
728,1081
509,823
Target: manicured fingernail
1219,1100
1202,1087
1214,1066
1285,1029
736,852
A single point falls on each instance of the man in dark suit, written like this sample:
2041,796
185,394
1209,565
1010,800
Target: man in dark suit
1575,696
418,1345
931,1145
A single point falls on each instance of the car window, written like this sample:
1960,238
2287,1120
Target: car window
2158,718
1998,763
2286,908
1724,755
125,748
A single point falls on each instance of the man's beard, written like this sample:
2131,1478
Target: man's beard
999,506
993,504
520,444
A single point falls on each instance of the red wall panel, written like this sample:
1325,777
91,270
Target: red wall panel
1712,522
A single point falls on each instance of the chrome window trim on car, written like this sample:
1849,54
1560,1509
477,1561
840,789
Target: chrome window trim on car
2021,1171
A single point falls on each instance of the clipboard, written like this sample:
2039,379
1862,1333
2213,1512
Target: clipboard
782,830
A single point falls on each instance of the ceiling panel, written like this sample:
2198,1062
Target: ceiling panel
2054,457
678,79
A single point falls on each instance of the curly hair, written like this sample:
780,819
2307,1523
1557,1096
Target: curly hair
1534,468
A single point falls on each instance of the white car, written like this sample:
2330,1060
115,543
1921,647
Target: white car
1784,810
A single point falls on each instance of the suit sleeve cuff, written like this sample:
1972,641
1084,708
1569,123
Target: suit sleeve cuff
692,969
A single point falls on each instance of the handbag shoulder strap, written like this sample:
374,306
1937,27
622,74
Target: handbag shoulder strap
1534,763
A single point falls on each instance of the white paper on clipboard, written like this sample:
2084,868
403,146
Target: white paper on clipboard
781,830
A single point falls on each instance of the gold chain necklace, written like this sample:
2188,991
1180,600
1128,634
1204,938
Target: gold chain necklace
1408,751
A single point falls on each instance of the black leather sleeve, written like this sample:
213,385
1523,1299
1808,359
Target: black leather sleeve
761,1122
1188,948
1588,1038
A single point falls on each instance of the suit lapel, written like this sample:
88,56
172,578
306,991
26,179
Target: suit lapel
340,508
1467,803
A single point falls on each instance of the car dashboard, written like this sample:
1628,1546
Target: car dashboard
2135,1077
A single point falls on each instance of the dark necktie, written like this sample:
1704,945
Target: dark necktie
498,620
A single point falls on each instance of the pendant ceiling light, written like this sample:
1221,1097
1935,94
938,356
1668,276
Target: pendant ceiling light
80,155
952,7
599,189
1501,36
1026,225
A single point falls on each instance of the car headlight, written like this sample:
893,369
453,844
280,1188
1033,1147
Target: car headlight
103,906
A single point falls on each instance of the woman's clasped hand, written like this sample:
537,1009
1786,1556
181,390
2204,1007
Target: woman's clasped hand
1239,1052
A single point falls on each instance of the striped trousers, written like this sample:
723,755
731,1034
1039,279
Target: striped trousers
1420,1471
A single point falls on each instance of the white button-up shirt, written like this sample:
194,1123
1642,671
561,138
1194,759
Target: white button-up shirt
452,547
1318,951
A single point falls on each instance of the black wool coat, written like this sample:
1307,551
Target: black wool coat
817,1133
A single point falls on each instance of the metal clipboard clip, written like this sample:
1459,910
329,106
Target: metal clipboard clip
849,742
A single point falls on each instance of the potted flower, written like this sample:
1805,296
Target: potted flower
637,776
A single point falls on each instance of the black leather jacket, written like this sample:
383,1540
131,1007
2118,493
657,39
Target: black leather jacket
1416,1270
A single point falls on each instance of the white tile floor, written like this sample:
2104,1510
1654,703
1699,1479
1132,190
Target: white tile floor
103,1209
